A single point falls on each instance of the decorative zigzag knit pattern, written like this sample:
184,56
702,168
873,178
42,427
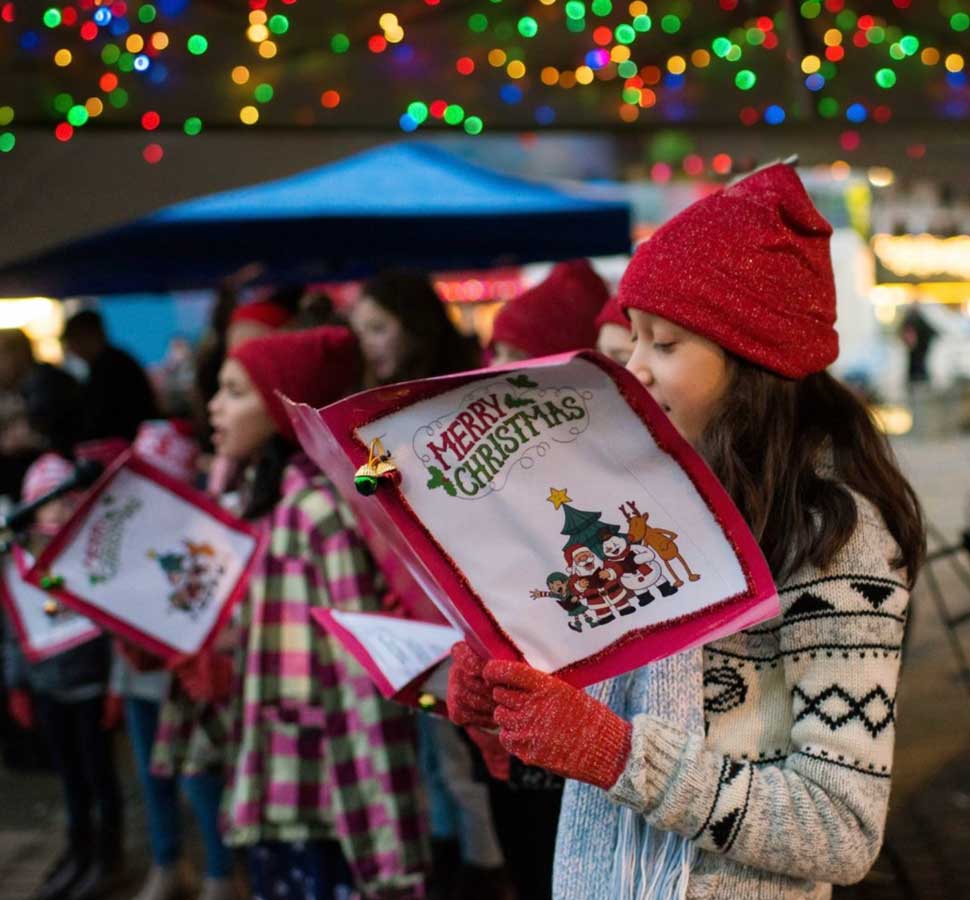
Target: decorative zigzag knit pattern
787,792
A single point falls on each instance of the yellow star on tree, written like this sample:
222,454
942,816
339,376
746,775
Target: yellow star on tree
558,496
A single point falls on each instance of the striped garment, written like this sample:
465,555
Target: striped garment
317,753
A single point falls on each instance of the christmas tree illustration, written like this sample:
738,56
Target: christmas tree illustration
580,526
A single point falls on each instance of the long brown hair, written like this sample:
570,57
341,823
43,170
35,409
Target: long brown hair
765,443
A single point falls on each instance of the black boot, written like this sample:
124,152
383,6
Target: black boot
667,589
645,598
65,872
627,611
103,874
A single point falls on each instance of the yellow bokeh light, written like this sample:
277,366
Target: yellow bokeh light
515,69
637,8
620,53
394,35
267,49
62,58
135,43
567,80
700,58
159,40
257,33
930,56
953,62
676,65
497,57
388,22
549,75
547,2
240,74
249,115
833,37
94,107
811,64
584,75
257,17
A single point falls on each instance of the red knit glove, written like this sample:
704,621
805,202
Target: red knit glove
469,698
548,723
497,758
206,676
21,709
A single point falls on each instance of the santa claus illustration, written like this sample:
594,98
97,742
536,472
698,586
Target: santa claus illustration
635,567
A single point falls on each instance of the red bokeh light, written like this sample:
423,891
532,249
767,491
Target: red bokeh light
437,108
834,54
376,43
153,153
8,12
721,164
151,120
850,140
108,82
89,31
69,16
330,99
749,115
602,35
64,131
693,164
465,65
882,114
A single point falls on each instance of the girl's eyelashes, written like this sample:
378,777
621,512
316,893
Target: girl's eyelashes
664,346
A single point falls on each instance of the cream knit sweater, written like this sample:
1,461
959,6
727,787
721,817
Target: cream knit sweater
788,791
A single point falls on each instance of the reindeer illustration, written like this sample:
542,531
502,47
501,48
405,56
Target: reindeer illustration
660,540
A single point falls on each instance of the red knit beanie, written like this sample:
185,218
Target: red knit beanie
317,366
263,312
612,314
749,268
556,315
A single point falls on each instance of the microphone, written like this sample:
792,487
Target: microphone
86,472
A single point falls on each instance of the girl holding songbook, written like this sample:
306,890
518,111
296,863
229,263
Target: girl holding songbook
758,765
323,792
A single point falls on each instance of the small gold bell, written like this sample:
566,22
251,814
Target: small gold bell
377,468
427,701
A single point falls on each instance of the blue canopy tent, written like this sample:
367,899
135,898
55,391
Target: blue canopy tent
406,204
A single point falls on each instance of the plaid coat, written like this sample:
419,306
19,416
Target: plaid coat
318,753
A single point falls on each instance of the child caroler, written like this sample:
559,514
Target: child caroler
760,765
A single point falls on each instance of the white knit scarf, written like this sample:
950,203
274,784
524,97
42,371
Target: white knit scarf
608,852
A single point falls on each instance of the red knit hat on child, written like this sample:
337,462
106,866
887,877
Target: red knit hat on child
556,315
317,367
612,314
749,268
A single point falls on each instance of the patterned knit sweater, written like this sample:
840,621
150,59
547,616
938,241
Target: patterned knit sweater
788,792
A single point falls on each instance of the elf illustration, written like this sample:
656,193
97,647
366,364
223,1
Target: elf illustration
194,574
659,539
558,589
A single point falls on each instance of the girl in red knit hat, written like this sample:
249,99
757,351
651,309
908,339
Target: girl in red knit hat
554,316
323,792
758,765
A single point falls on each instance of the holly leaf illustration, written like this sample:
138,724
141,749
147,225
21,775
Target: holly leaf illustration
522,381
438,479
514,402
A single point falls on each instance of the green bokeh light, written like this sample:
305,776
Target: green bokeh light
263,93
828,107
575,9
454,114
960,21
192,126
52,17
670,24
473,125
811,9
118,98
6,115
62,103
625,34
528,27
643,23
7,142
885,78
418,111
627,69
110,54
720,46
147,13
278,24
197,44
340,43
77,116
745,79
478,23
